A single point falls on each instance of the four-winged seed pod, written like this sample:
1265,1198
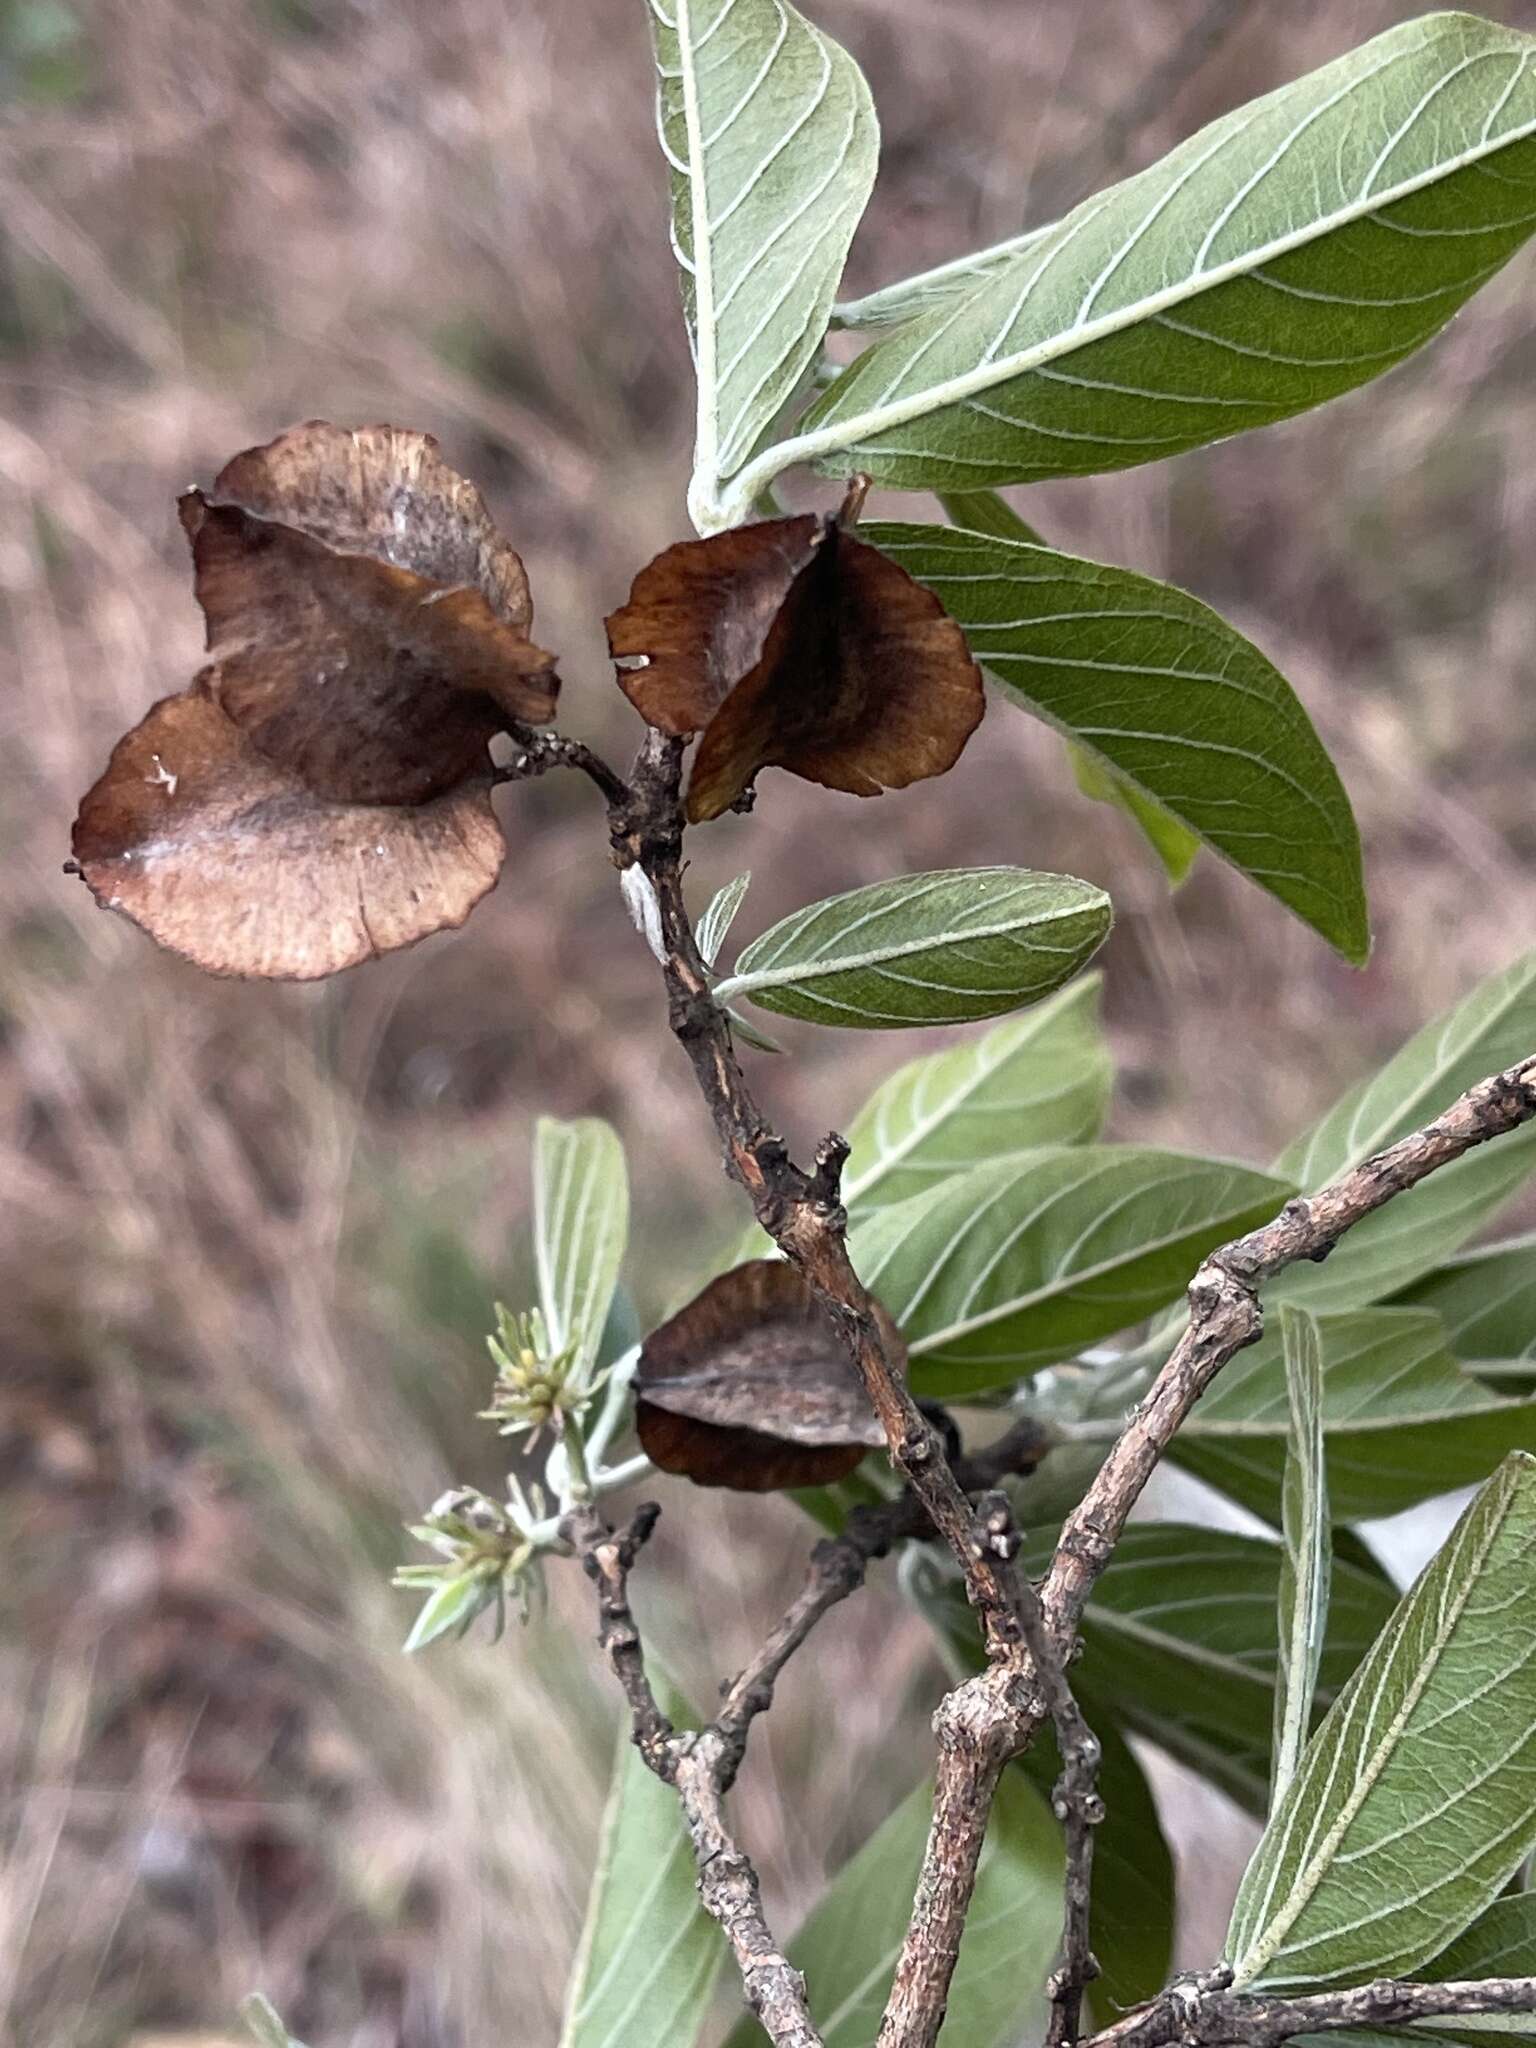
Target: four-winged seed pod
790,644
321,793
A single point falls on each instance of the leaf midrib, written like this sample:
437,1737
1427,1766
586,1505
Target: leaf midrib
1184,1647
921,1346
737,985
1306,1524
1369,1425
706,451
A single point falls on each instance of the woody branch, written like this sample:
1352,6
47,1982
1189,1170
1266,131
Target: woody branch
1206,2014
1030,1636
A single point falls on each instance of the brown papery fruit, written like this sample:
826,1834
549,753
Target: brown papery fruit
791,644
749,1387
321,792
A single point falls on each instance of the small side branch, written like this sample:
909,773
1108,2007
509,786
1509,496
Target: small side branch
608,1557
1204,2014
538,752
839,1564
1075,1800
702,1766
695,1765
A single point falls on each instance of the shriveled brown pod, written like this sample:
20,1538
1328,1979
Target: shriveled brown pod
322,791
792,644
749,1387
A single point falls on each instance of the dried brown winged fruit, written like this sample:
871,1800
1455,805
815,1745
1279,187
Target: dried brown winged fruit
749,1387
321,792
791,644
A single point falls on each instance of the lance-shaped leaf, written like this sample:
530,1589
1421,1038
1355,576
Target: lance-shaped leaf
649,1954
770,134
1173,843
720,915
893,305
1169,697
750,1387
580,1228
1285,254
1425,1765
1042,1078
790,644
942,948
1401,1419
1489,1029
1486,1298
1180,1646
848,1947
1030,1257
1307,1558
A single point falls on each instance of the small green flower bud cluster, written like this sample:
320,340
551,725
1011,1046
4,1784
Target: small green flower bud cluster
484,1552
536,1387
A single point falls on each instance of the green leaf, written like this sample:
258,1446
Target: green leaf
450,1608
580,1226
1486,1299
895,304
942,948
720,915
1173,843
770,133
1169,696
1490,1029
986,512
1307,1561
1180,1646
649,1954
1290,251
264,2023
1131,1922
848,1947
744,1031
1027,1258
1403,1421
1499,1943
1416,1799
1042,1078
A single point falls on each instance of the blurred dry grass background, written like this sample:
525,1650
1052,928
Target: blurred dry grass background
251,1233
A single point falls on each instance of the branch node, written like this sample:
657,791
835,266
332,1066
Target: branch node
826,1182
